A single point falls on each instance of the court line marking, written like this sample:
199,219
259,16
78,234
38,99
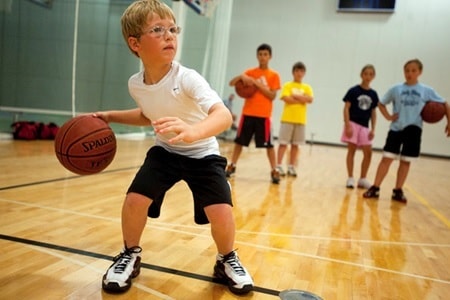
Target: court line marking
427,204
144,265
363,266
161,225
10,187
97,270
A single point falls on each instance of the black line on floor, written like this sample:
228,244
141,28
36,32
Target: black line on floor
258,289
61,179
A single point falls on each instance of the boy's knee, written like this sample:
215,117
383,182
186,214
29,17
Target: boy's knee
137,200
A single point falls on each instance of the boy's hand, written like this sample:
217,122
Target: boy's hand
102,115
248,80
393,117
184,132
447,130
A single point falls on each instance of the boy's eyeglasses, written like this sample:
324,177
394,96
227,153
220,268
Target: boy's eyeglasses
159,31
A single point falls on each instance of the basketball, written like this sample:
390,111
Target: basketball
244,90
85,145
433,112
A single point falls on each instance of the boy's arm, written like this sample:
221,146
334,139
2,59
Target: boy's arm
385,112
303,98
373,123
218,120
129,117
265,90
348,126
447,129
248,80
289,99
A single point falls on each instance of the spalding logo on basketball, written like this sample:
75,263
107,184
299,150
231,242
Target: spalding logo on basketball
85,145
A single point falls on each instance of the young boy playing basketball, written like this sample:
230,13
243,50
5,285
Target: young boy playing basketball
404,136
186,114
257,111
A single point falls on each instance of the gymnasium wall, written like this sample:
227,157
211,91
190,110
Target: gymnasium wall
43,65
335,46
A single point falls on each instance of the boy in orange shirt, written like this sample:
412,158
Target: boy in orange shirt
257,111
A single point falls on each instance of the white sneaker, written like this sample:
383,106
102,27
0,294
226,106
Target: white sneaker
280,170
350,183
291,171
363,183
126,266
228,269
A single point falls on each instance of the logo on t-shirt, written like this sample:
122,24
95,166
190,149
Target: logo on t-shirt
410,98
364,102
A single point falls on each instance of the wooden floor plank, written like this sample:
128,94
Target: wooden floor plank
59,230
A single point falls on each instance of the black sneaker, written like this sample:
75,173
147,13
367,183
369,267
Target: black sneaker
372,192
397,195
275,176
126,266
230,170
228,270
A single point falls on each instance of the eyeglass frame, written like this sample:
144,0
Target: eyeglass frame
174,30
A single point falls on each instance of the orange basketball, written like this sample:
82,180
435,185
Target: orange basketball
244,90
433,112
85,145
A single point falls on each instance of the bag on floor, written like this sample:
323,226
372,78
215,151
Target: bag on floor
25,130
47,131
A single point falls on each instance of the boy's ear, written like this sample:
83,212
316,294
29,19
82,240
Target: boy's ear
133,43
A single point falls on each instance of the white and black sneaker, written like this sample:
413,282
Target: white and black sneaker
126,266
228,269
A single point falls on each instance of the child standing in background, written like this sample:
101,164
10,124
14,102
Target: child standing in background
405,132
296,95
360,107
257,111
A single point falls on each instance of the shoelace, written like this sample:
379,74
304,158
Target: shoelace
233,261
124,259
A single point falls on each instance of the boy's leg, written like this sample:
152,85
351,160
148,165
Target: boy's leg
274,174
402,173
351,149
367,157
231,167
221,219
236,153
280,154
134,218
126,266
228,267
293,155
271,157
382,170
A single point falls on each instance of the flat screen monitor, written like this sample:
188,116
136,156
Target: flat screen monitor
384,6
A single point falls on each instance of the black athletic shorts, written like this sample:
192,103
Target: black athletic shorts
405,142
259,127
162,169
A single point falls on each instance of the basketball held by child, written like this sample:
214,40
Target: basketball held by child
433,112
85,145
245,90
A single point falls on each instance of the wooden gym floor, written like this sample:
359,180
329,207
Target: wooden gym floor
59,231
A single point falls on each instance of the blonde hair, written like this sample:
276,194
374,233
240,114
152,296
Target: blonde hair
139,13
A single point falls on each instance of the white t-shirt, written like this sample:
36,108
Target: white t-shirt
181,93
